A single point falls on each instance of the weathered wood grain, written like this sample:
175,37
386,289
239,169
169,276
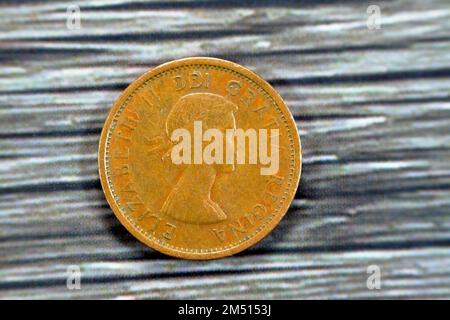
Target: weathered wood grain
373,111
405,274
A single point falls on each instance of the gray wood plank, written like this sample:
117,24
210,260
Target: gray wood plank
404,274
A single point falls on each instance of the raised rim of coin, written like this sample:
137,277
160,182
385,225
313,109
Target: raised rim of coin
210,254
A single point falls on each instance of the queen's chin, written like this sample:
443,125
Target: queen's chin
190,199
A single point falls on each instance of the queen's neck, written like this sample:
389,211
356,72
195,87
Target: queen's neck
199,179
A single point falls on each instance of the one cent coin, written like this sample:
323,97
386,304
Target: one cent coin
199,158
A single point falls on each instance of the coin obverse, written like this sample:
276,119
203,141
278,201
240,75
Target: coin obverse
199,158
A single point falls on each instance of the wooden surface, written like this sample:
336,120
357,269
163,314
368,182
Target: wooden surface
373,110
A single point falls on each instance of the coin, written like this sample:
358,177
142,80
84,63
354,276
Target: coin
199,158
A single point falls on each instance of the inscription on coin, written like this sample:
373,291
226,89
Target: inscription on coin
199,158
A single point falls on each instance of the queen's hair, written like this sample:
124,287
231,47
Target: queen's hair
206,107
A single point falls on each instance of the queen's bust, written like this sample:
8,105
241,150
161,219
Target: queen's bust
190,198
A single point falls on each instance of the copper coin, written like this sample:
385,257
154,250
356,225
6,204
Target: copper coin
199,158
